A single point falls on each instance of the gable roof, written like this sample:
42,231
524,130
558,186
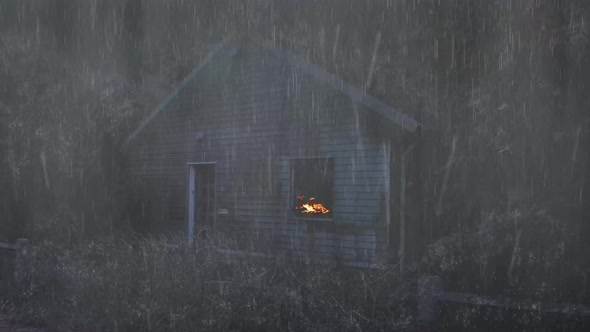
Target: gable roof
314,71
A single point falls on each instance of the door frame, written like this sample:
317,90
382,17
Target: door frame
190,194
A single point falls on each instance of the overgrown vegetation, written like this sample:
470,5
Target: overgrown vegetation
112,284
504,256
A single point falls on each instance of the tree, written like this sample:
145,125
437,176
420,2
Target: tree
133,20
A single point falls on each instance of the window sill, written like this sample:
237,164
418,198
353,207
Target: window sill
313,219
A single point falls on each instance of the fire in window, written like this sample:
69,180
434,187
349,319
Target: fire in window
313,186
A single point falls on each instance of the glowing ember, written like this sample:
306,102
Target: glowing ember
311,207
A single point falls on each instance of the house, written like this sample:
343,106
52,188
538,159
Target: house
283,156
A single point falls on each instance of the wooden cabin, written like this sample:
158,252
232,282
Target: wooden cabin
282,156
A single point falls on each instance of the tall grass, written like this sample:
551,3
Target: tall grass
148,285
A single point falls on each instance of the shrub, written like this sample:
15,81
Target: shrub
525,252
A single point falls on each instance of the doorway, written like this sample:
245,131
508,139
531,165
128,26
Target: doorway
201,200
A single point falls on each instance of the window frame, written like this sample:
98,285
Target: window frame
292,191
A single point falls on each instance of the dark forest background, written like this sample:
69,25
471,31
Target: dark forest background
500,87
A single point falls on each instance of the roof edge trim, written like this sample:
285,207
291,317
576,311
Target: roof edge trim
355,94
214,52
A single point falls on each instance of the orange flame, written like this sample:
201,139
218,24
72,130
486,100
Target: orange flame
311,207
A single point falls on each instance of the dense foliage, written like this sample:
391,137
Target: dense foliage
147,285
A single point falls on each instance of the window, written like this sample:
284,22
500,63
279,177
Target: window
313,187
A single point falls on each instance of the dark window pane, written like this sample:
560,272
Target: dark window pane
314,177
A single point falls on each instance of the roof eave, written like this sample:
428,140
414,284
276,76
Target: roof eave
217,48
355,94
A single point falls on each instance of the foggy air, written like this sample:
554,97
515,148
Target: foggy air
352,165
